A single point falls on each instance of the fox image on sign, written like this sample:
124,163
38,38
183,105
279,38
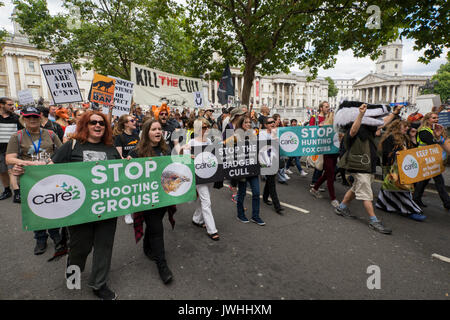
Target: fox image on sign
102,90
103,84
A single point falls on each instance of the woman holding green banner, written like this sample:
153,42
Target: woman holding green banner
152,144
393,196
92,141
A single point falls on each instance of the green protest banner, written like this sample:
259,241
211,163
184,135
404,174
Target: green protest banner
68,194
308,141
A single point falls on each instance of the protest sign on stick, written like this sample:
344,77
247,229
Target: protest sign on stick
62,82
102,90
123,94
25,97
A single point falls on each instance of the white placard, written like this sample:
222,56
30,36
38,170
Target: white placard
123,94
198,99
25,97
152,87
62,82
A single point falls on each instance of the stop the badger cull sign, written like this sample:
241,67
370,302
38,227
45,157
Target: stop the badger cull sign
79,192
420,164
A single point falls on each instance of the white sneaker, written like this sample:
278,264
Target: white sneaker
129,219
287,177
289,171
303,173
335,203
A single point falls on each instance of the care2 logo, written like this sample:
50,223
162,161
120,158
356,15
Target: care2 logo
289,141
56,197
410,166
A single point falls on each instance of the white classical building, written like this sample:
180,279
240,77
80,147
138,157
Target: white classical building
290,95
345,92
20,69
388,84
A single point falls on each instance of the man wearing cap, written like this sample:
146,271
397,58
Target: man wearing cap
235,114
209,117
9,124
33,146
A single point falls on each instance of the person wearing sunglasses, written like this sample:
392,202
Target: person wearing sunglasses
92,141
9,124
203,216
34,146
270,133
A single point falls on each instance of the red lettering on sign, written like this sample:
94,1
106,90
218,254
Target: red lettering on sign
175,83
162,79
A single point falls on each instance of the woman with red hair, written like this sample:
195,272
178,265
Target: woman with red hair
92,141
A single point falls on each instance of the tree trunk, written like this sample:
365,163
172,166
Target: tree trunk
249,75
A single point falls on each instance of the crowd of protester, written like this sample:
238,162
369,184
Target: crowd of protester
39,135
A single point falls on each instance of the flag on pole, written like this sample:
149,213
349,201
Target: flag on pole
226,87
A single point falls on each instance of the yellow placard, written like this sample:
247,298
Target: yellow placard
102,90
420,163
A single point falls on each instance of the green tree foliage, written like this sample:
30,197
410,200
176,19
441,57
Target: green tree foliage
3,32
270,36
111,34
442,82
332,89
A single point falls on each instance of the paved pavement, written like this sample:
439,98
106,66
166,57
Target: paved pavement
309,254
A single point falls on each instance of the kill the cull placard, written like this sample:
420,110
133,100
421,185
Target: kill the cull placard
68,194
62,82
102,90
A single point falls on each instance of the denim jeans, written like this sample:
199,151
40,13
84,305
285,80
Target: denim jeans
316,176
42,236
297,163
282,175
242,188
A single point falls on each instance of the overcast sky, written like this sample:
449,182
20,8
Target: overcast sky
346,67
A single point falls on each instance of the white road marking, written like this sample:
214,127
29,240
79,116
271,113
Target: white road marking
282,203
442,258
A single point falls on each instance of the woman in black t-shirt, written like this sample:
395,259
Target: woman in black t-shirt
125,138
92,142
152,144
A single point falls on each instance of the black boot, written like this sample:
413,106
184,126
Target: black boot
164,271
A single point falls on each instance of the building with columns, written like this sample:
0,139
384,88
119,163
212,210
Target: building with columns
345,92
20,69
388,84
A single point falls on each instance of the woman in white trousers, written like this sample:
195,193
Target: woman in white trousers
203,216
